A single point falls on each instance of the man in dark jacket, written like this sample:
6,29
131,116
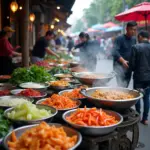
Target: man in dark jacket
140,65
88,51
122,52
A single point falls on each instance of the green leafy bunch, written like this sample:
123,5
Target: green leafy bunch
32,74
4,124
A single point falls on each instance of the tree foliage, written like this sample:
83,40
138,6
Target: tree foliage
79,26
101,11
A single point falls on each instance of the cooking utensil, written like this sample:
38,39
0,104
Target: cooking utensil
59,88
95,130
74,64
28,122
99,79
13,97
28,85
61,93
61,111
112,104
61,75
6,86
21,130
17,91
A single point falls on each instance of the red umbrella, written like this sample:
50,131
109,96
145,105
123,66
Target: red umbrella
137,13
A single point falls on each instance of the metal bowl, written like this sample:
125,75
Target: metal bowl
118,105
74,64
95,130
6,86
69,131
5,78
13,97
61,93
81,76
61,111
62,75
28,85
59,88
17,91
28,122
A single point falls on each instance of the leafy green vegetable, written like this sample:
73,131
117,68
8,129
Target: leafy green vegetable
4,124
51,57
64,56
32,74
61,55
57,70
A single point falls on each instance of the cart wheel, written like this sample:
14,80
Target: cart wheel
135,136
124,143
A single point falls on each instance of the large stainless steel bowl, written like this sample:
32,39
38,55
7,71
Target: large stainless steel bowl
69,131
11,98
81,76
61,111
118,105
59,88
28,85
74,64
6,86
95,130
29,122
61,93
17,91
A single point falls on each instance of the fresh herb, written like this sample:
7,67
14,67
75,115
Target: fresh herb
57,70
4,124
65,56
51,57
61,55
32,74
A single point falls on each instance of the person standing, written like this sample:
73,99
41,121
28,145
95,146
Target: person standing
122,52
88,51
41,47
140,65
70,44
7,51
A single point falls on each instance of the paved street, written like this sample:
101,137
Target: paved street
106,66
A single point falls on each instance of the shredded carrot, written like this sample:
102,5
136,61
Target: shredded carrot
60,102
74,94
43,137
91,117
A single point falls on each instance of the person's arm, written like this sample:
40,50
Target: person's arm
10,50
50,52
16,54
132,61
79,45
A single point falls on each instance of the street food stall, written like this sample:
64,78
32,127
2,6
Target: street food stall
53,99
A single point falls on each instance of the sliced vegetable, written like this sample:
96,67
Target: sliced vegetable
28,111
74,94
60,102
42,137
91,117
